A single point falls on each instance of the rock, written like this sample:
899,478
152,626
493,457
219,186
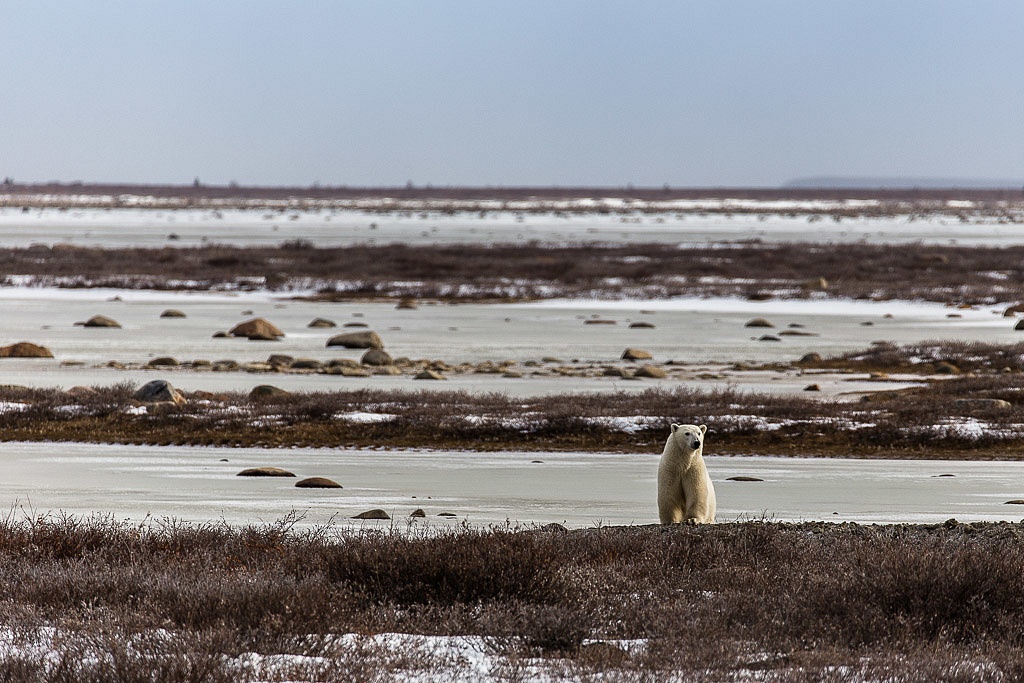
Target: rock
172,313
554,527
317,483
429,374
758,322
265,391
224,366
615,371
983,403
636,354
159,391
512,374
743,478
221,335
163,362
376,357
418,512
280,360
1013,310
342,363
376,513
818,284
798,333
1019,325
446,514
599,321
306,364
357,340
407,303
641,326
101,321
256,329
812,387
354,324
809,358
1015,501
265,472
321,322
25,350
946,368
769,338
650,372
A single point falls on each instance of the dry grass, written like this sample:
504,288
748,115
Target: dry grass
970,416
984,275
170,602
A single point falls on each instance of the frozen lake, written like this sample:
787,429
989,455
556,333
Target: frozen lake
575,489
124,227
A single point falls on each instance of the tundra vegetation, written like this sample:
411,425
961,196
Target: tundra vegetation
101,600
506,272
976,414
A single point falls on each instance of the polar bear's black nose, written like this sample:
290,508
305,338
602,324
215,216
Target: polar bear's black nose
695,444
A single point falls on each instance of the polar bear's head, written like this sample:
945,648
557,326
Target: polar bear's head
689,437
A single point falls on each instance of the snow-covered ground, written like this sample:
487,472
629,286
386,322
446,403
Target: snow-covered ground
200,484
373,222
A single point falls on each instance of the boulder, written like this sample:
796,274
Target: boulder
812,387
429,374
817,284
265,391
357,340
636,354
159,391
758,322
650,372
321,322
280,360
983,403
407,303
257,328
808,358
306,364
769,338
418,512
641,326
265,472
376,513
172,313
376,357
599,321
1019,325
946,368
355,324
25,350
743,478
317,483
101,321
163,362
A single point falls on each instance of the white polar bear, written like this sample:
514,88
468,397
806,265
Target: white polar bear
685,491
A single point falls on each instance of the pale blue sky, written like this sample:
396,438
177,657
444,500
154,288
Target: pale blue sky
525,92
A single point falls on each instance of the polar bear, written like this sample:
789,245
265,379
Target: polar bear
685,491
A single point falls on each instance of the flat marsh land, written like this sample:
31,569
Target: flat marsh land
100,600
969,406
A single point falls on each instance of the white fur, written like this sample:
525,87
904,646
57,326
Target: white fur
685,491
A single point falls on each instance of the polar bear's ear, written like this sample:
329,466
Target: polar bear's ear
674,427
703,429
